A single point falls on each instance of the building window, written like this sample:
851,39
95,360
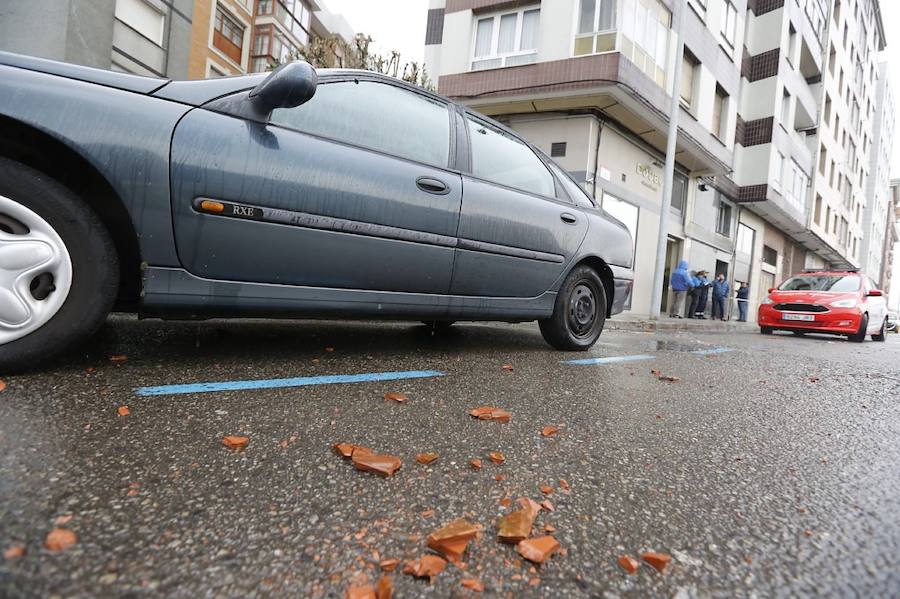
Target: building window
689,66
745,239
827,113
228,35
143,18
785,108
723,219
699,7
558,149
645,37
729,24
679,191
596,27
506,40
823,159
817,211
792,46
720,113
769,256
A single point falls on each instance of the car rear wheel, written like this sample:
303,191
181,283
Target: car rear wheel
59,273
860,335
579,312
880,336
765,330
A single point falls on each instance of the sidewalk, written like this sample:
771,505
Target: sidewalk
642,323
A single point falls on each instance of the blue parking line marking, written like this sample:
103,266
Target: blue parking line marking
709,352
288,382
609,360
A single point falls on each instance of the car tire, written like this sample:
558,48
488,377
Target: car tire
880,336
579,312
765,330
799,333
61,264
860,335
439,325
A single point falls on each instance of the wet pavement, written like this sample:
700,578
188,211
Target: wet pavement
768,469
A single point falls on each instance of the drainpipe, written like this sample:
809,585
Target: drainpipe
596,160
666,204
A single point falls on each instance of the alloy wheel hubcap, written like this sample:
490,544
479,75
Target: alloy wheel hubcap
582,309
35,271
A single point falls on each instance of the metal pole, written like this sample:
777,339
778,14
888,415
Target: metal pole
674,110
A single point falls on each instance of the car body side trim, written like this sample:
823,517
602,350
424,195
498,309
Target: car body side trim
177,293
354,227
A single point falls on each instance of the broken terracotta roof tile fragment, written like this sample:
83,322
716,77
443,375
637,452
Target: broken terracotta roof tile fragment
563,484
426,458
451,540
628,563
538,549
360,591
427,566
383,465
515,526
348,450
507,367
385,589
389,565
549,431
497,457
530,505
548,506
490,413
394,396
546,489
473,584
475,464
235,442
657,560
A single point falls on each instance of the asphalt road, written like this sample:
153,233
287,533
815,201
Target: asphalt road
767,470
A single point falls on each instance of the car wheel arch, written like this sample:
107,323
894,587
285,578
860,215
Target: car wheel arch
605,273
51,156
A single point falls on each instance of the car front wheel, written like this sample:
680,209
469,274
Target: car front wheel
579,312
765,330
59,273
860,335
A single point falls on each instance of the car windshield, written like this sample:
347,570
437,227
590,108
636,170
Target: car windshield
836,283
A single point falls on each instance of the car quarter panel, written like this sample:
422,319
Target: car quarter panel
124,135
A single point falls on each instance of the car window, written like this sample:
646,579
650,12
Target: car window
503,159
836,283
375,115
575,191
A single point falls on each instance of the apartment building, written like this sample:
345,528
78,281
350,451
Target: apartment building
878,214
146,37
587,81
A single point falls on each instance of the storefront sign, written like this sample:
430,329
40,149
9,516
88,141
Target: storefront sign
649,177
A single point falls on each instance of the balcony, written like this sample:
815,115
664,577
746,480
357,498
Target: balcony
143,55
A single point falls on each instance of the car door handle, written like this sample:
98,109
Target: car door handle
432,185
568,218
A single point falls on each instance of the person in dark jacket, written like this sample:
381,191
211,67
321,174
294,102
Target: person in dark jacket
681,283
743,296
692,296
720,293
702,295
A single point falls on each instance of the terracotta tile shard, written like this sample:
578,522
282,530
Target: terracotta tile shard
515,526
499,477
473,584
549,431
383,465
360,591
505,502
475,464
123,411
549,528
547,505
14,552
349,449
546,489
427,566
807,533
393,396
389,565
426,458
497,457
385,589
534,581
563,484
629,564
2,384
451,540
235,442
329,349
118,358
60,539
508,367
427,513
532,506
538,549
655,372
489,413
670,379
657,560
63,519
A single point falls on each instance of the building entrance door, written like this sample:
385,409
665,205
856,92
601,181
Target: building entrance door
673,255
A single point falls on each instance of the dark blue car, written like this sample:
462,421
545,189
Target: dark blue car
298,193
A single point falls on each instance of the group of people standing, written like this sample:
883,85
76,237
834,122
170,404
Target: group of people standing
692,289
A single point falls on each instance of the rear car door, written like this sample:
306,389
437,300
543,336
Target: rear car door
517,232
350,190
877,305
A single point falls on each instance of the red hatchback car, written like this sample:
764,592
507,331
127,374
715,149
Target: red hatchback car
837,302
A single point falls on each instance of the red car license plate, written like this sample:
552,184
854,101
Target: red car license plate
804,317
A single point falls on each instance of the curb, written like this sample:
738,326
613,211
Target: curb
652,326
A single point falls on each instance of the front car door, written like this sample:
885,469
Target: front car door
351,190
518,231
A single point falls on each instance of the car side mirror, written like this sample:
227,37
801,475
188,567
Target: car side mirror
875,293
288,86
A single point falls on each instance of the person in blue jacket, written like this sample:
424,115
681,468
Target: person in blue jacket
720,294
681,283
702,294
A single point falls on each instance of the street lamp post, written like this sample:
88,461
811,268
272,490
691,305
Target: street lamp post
668,181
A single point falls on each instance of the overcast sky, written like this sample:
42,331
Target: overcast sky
400,25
